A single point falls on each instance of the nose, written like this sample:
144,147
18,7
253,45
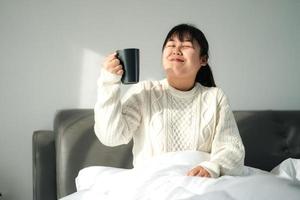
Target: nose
176,51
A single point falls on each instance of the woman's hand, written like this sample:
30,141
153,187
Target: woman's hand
198,171
112,64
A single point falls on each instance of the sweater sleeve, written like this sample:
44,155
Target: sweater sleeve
116,120
227,153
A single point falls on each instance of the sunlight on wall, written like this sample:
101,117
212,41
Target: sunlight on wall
90,71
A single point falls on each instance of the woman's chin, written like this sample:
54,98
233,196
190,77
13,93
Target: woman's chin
177,72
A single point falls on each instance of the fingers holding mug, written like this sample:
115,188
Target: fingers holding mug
118,70
112,64
124,62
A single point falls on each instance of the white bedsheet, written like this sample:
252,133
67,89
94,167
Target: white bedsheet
164,178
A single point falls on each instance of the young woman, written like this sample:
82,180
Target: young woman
185,111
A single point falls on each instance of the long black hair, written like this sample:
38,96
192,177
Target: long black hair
204,75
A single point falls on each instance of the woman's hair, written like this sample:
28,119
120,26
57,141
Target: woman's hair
204,75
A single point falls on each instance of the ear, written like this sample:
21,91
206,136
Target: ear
203,60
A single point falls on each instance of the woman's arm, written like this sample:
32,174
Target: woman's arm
227,153
116,121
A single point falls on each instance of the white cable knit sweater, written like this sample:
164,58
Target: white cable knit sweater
152,115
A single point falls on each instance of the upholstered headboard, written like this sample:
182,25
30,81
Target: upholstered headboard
269,136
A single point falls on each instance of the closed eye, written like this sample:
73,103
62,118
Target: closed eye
170,45
187,44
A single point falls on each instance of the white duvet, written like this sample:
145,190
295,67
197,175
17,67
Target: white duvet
164,178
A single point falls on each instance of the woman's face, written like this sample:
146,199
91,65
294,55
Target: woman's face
181,59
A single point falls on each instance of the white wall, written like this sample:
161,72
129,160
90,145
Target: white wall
50,50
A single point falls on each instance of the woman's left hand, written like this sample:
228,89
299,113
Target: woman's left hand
198,171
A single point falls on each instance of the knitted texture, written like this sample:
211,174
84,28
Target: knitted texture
180,123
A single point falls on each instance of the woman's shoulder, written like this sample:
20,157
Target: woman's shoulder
216,94
211,91
142,88
146,85
150,84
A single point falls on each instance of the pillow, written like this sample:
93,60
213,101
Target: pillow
289,168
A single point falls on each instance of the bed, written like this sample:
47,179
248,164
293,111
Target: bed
69,156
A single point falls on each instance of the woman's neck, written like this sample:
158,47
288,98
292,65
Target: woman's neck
181,84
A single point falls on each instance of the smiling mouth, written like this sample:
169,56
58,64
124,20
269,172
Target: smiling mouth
177,60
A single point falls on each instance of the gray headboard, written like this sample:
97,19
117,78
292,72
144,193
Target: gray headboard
269,136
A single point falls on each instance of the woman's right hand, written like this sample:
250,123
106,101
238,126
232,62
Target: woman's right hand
112,64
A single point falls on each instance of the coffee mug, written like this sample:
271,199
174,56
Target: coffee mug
130,60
